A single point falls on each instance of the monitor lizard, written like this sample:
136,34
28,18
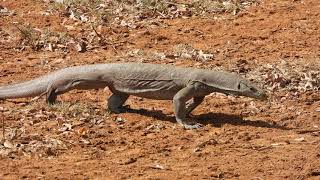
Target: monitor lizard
187,87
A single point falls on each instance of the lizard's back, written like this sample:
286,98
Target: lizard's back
148,80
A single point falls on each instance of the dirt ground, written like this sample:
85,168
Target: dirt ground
242,138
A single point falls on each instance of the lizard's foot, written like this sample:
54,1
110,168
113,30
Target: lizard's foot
188,124
192,126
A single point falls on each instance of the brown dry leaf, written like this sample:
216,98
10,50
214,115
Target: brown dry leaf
203,144
6,12
288,75
81,46
8,144
203,56
85,141
83,131
128,161
65,127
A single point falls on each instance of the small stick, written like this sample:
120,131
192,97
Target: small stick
3,129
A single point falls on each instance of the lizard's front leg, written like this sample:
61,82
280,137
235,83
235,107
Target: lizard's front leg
179,102
116,101
193,103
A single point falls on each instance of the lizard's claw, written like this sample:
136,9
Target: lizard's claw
192,126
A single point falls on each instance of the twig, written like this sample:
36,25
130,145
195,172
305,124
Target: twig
305,131
3,130
155,8
96,32
102,38
16,101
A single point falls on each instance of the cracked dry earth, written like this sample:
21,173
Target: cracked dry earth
275,43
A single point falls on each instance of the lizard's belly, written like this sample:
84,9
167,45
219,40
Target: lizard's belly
161,90
159,95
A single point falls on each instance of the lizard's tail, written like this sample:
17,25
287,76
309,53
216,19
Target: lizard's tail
30,88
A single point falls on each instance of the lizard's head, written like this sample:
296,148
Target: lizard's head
245,88
230,83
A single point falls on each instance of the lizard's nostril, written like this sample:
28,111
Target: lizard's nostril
253,89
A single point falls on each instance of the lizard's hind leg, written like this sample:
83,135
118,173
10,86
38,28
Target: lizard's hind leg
51,96
116,101
63,86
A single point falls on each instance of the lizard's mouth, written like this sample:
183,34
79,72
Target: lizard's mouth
262,96
257,95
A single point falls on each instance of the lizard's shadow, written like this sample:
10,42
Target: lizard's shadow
219,119
215,119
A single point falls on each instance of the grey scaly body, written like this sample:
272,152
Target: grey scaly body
187,87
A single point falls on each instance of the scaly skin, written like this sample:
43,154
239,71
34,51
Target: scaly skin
187,87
